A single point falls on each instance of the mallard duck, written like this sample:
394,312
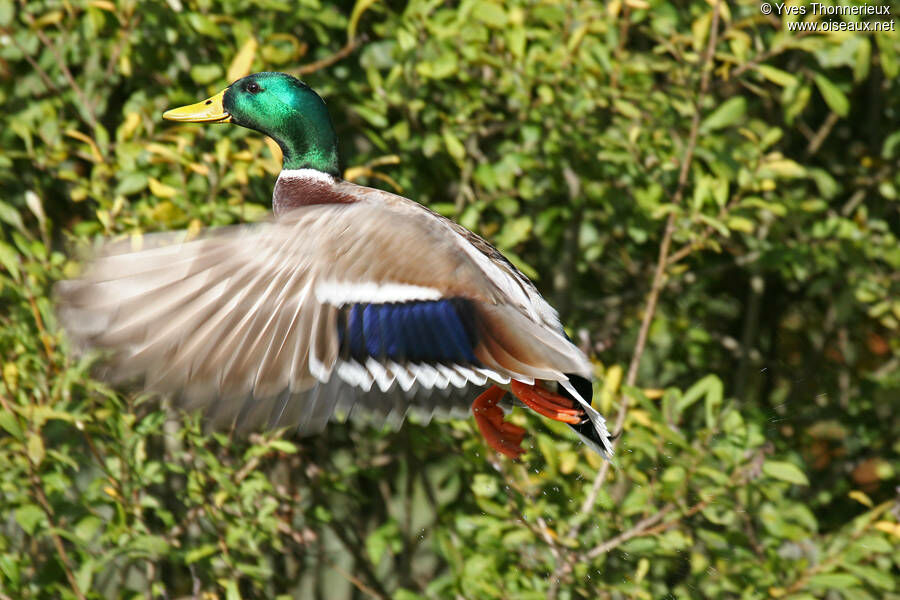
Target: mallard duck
349,300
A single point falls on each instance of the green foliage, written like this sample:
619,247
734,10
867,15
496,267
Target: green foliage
759,455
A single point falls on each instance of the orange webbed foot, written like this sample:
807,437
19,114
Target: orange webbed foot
547,403
500,435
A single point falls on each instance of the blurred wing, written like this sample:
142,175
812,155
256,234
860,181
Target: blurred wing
328,311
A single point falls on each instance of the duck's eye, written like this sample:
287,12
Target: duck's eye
252,87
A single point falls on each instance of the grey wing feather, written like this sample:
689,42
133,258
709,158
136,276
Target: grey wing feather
231,322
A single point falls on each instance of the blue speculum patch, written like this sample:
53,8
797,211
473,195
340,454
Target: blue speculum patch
421,331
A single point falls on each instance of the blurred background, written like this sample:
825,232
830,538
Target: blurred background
710,200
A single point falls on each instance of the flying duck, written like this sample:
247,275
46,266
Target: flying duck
347,301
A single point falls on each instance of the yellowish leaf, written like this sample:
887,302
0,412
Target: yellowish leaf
163,151
861,497
889,528
199,169
359,8
127,129
54,17
166,212
568,460
242,61
611,383
240,173
11,376
273,164
641,417
785,168
96,156
137,241
354,173
613,7
35,447
160,189
193,229
104,5
389,159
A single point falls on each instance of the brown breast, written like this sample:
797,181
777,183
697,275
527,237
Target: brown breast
293,192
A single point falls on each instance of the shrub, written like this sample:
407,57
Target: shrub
710,201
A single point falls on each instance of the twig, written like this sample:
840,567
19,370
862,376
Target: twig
640,528
544,531
653,296
768,54
624,24
822,133
355,581
563,568
41,496
348,48
34,65
353,547
65,70
659,275
42,331
124,34
688,248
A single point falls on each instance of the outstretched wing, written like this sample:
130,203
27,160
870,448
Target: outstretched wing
328,310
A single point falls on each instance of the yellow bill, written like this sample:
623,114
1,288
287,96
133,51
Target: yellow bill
210,110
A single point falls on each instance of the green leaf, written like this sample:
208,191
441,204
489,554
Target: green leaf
627,108
204,25
514,232
10,423
834,97
829,581
9,258
785,168
490,13
383,538
206,74
131,183
28,517
728,113
199,553
742,224
35,447
706,386
231,589
453,145
484,485
11,216
85,574
782,78
7,12
283,446
873,575
785,471
863,63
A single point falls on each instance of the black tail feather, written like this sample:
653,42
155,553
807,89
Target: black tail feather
585,429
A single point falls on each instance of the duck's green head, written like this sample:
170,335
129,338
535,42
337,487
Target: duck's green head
280,106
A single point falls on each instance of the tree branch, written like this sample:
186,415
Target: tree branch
38,489
348,48
661,263
61,63
639,529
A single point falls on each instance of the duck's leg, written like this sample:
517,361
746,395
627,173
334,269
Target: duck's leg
545,402
503,437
